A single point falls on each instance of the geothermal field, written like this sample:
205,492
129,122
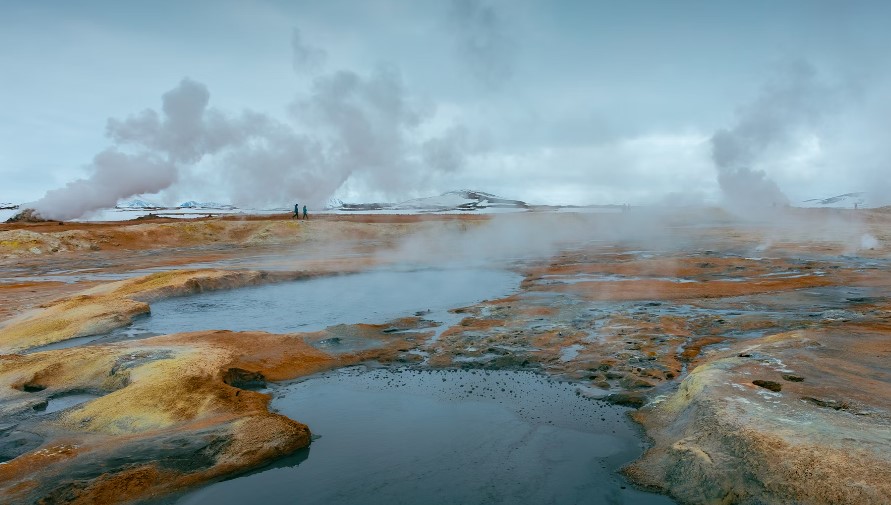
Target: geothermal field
646,356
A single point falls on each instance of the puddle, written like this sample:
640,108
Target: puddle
401,436
375,296
569,353
66,401
370,297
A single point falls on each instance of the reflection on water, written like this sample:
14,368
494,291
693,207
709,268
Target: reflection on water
402,436
375,296
369,297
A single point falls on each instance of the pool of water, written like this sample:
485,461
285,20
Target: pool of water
375,296
67,401
401,436
369,297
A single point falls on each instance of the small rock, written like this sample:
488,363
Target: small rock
792,378
771,385
634,400
244,379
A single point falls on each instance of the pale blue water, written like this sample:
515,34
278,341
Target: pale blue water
375,296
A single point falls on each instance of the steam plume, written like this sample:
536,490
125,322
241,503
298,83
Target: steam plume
349,125
792,102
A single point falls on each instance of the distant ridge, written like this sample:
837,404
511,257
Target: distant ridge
192,204
856,199
138,203
458,200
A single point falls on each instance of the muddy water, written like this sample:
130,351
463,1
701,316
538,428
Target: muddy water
400,436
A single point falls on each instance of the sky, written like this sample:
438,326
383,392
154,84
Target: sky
561,102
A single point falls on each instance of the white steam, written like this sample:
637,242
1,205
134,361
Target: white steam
348,125
791,104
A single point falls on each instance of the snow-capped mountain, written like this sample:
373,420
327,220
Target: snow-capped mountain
138,203
192,204
461,200
464,199
847,200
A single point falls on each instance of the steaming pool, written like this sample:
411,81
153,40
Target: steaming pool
400,436
410,436
375,296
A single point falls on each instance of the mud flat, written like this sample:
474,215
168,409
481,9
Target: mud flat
754,355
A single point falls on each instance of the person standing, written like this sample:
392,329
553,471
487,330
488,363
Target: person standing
304,212
297,211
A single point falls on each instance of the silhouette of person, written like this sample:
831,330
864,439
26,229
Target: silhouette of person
304,212
297,211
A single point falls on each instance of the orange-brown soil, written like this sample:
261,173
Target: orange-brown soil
758,351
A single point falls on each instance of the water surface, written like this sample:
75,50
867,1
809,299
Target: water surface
376,296
462,437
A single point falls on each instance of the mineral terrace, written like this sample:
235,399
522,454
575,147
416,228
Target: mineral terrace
757,353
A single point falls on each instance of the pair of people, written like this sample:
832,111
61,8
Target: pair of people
297,211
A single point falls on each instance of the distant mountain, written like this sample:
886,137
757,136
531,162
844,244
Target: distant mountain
847,200
334,203
192,204
464,200
138,203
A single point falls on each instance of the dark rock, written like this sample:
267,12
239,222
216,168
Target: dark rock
792,378
771,385
632,382
828,404
244,379
634,400
32,387
27,216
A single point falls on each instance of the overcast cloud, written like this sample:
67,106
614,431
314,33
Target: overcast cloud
260,103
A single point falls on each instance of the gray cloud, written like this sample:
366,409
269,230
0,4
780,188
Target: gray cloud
449,152
482,42
306,57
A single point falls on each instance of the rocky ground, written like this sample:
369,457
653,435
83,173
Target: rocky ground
756,352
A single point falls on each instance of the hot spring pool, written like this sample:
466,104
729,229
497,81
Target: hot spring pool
446,437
